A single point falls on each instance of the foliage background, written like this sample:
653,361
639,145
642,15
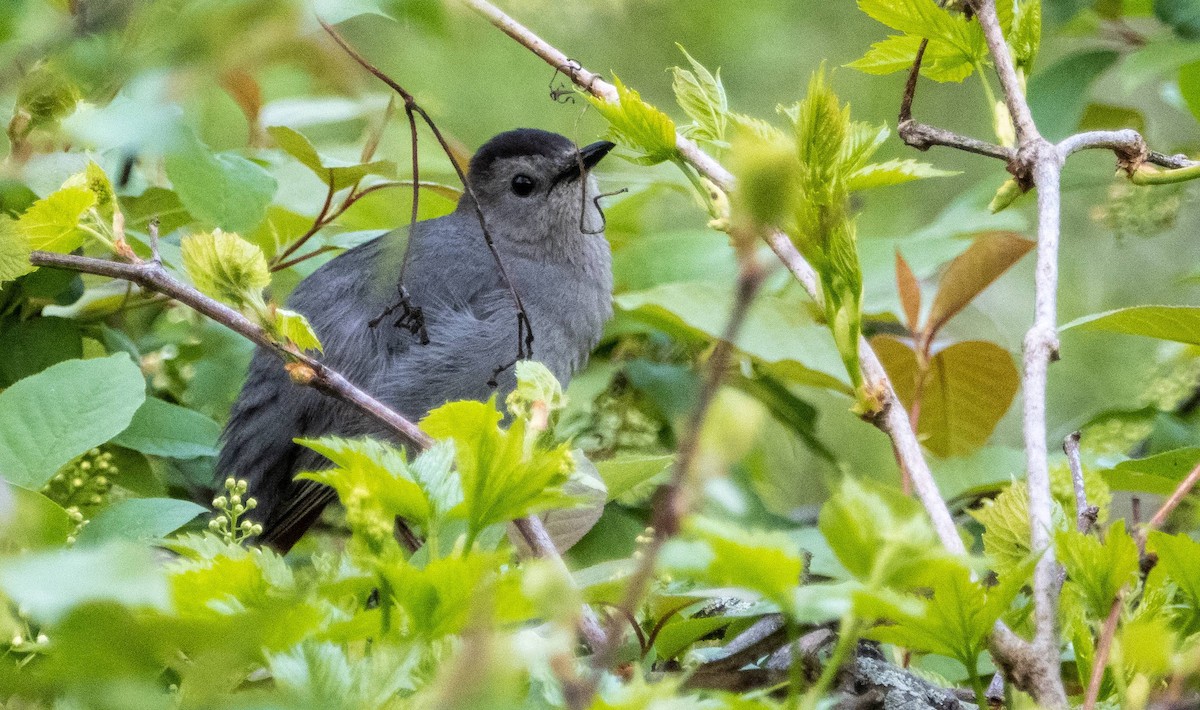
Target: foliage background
1122,246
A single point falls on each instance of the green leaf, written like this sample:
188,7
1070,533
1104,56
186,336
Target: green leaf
1098,570
893,172
438,600
959,617
767,178
139,519
923,18
988,257
502,478
1059,93
47,95
226,267
50,418
14,251
701,95
1026,35
878,535
625,473
50,584
1178,323
223,189
1183,16
376,484
31,521
967,389
538,393
1179,560
163,429
638,125
1159,474
52,223
1005,518
35,344
765,562
1189,87
293,327
335,173
941,62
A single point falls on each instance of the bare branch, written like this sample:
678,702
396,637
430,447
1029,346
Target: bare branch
1085,515
1103,647
1181,491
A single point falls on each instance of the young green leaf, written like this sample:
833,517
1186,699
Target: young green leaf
14,251
139,519
538,392
1005,518
439,599
967,389
989,256
1178,323
955,42
223,189
163,429
638,125
941,62
767,178
1026,35
337,174
1159,474
1179,561
295,328
47,95
1098,570
701,95
910,293
765,562
504,477
226,267
52,223
893,172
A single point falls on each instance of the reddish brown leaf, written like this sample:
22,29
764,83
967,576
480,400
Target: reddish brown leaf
910,292
974,270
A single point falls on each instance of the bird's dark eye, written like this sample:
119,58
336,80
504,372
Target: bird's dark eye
523,185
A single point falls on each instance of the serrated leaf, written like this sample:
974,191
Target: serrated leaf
968,388
1178,323
14,251
638,125
223,189
51,417
139,519
893,172
701,95
96,180
1098,570
47,95
1026,35
1179,560
625,473
338,174
538,392
910,293
989,256
502,478
295,328
879,535
1005,518
438,600
163,429
226,267
941,62
52,223
923,18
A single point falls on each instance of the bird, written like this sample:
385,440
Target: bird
456,337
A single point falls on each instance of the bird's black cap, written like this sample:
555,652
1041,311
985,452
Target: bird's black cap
517,142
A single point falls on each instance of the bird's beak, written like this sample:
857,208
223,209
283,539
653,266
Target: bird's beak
588,156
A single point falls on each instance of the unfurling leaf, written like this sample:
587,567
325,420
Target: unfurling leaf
52,223
1026,35
910,293
503,476
1006,194
295,328
14,251
337,174
226,267
967,389
46,95
989,256
893,172
1006,537
941,61
538,392
701,95
638,125
1098,570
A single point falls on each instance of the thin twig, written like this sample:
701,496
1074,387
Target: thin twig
318,223
1181,491
672,501
1103,648
1085,515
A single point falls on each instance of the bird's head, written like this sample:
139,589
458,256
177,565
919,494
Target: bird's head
534,186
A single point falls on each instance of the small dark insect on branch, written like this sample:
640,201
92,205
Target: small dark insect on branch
524,326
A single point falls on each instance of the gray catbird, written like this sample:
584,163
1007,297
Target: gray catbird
457,331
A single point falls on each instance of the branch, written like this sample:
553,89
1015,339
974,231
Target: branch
1181,491
905,443
303,369
1085,515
